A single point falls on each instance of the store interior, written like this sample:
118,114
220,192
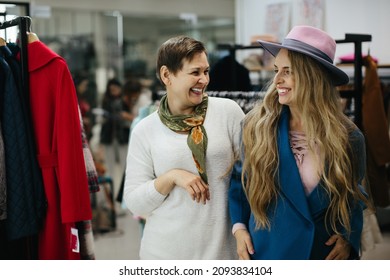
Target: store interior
120,39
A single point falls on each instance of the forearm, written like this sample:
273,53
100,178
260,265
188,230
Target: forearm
165,182
144,199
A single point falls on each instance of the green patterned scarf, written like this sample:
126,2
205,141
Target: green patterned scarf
197,136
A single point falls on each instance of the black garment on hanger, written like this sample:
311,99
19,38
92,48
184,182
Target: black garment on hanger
26,202
25,193
229,75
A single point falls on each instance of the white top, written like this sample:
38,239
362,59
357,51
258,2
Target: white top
178,227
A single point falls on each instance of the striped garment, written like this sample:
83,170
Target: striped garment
87,250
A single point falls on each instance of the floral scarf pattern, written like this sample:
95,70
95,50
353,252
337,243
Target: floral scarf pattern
197,136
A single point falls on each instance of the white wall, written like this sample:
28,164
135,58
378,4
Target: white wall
217,8
361,16
340,17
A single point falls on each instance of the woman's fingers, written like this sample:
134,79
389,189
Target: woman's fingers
193,184
200,192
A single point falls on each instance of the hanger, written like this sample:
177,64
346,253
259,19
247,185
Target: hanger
32,37
2,42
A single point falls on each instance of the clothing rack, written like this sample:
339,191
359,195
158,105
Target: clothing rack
24,246
232,48
24,24
356,93
245,99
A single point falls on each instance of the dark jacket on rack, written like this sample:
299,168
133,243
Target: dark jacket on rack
376,130
229,75
3,184
57,128
25,194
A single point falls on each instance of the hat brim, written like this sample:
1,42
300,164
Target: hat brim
338,76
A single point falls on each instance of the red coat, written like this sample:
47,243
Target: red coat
59,148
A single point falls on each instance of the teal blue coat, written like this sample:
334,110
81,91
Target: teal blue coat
298,230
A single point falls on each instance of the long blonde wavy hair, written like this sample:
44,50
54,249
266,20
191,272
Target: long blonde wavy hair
325,125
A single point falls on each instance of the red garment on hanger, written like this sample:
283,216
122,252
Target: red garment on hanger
57,130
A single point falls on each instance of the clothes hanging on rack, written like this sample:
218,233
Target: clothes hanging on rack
87,250
40,130
229,75
246,99
3,183
57,128
363,106
356,93
25,198
375,128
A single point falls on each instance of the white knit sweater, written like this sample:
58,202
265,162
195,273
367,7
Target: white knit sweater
178,228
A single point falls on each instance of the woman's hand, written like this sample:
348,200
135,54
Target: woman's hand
244,244
341,249
193,184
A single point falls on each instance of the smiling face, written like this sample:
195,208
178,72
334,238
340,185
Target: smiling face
284,78
185,88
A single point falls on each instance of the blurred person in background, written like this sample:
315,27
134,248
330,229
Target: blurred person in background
82,84
118,104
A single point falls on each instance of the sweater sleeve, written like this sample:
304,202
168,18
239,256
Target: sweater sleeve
140,195
356,216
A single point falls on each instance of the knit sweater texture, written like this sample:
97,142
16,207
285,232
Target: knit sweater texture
176,226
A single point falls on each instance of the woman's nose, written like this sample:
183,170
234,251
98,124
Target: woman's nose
278,77
204,79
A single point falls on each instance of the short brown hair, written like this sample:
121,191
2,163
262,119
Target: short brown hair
173,51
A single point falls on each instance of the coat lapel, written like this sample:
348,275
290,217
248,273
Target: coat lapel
289,178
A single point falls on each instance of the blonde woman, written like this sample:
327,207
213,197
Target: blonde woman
303,160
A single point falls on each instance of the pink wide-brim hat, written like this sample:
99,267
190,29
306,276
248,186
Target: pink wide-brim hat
313,42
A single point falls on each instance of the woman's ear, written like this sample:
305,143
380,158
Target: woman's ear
165,75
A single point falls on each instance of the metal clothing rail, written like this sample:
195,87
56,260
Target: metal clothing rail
357,92
232,48
24,24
